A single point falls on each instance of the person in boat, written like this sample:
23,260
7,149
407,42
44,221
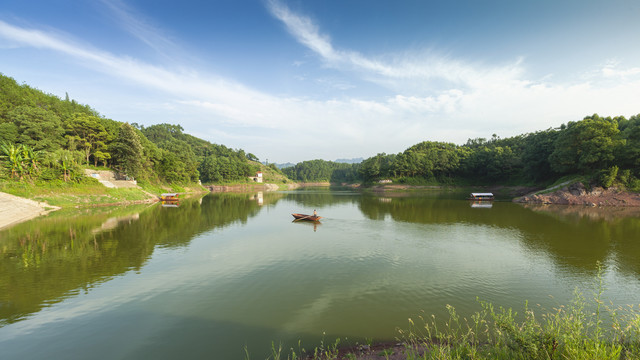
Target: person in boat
315,213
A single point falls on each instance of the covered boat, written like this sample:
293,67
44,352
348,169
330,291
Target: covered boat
169,197
481,196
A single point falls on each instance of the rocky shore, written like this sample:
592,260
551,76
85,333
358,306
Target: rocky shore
578,194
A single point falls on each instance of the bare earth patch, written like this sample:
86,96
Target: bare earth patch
14,209
577,194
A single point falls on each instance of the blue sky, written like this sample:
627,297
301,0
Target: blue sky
300,80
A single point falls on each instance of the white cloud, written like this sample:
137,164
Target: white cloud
612,70
132,22
420,67
429,96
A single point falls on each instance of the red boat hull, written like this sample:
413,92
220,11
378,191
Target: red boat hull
307,217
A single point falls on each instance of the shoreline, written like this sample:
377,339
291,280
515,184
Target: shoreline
578,195
15,209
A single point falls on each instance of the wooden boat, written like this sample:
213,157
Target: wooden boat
169,197
306,217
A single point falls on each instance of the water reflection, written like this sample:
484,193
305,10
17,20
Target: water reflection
481,204
577,237
45,260
175,203
113,222
310,224
223,268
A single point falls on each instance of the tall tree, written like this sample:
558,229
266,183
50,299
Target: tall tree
127,152
87,133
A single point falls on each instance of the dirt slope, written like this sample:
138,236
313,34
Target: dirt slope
577,194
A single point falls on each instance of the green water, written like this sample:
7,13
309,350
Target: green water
225,271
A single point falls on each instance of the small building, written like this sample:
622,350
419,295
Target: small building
481,196
385,181
258,177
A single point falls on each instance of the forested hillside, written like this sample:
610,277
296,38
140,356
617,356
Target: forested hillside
322,171
604,149
43,137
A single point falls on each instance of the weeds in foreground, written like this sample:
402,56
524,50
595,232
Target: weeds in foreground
576,331
580,330
322,352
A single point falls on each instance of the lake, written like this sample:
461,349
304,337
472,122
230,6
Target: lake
227,272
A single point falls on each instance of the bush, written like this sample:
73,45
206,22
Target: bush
608,176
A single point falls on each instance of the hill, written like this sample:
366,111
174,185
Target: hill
45,138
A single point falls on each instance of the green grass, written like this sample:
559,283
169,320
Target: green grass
86,193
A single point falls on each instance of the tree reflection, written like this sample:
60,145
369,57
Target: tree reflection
571,237
45,260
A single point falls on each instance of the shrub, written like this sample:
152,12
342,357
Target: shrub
608,176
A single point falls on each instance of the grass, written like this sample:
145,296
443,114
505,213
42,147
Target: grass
86,193
583,329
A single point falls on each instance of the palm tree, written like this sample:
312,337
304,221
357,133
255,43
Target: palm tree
31,157
66,162
13,153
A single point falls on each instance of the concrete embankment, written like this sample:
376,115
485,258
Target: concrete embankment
14,209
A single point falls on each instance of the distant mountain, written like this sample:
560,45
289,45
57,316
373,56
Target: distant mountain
285,165
350,161
344,161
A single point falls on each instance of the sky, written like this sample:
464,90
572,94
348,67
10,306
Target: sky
295,80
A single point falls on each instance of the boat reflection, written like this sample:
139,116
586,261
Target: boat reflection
315,224
481,204
170,203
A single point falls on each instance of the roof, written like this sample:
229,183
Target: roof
169,194
481,194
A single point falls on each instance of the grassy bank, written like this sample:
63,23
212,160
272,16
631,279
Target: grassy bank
587,328
88,192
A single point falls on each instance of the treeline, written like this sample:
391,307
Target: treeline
43,137
606,149
323,171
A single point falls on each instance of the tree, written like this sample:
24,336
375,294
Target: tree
38,128
535,157
87,133
209,170
13,155
127,152
585,146
376,167
629,155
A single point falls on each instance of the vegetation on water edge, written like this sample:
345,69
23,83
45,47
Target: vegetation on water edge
605,151
88,192
583,329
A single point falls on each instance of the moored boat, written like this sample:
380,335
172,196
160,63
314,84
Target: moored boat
481,196
169,197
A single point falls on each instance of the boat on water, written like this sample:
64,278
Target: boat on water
306,217
169,197
481,196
